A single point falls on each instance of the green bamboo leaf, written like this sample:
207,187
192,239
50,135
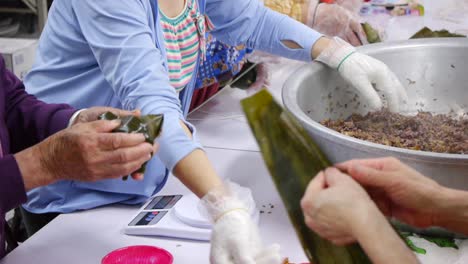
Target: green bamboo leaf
293,159
371,34
442,242
150,126
428,33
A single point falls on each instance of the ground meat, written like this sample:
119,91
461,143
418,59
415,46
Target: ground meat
426,132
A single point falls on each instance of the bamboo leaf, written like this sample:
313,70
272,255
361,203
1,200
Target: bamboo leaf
150,126
293,159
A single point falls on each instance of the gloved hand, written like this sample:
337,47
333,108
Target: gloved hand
352,5
235,238
335,20
338,19
362,72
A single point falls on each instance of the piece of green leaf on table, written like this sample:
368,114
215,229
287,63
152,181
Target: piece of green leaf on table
405,236
149,125
371,33
441,241
293,159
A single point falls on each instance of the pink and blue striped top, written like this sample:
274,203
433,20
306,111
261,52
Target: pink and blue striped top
182,42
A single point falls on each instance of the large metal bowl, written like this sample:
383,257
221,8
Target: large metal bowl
434,71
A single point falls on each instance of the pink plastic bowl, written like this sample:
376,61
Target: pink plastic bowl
138,255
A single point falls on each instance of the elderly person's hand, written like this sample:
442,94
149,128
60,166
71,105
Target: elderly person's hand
340,210
84,152
335,206
92,114
398,190
407,195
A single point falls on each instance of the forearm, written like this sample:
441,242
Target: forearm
452,210
291,39
380,242
29,164
249,22
319,46
196,172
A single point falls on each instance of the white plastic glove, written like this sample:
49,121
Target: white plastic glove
362,72
235,238
336,21
354,6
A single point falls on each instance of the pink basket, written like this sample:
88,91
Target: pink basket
138,255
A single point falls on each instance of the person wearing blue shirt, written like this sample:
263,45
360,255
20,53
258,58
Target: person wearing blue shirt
114,53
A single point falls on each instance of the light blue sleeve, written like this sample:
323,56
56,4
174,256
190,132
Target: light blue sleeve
120,37
251,23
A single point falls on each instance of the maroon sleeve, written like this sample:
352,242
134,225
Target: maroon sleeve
28,119
12,191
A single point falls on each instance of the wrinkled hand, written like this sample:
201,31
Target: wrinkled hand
335,206
90,152
362,72
398,190
336,21
235,238
92,114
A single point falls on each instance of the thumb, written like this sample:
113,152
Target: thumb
103,126
368,176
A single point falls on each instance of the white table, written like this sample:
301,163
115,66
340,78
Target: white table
86,237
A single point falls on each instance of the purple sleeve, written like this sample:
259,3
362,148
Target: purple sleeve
12,192
28,119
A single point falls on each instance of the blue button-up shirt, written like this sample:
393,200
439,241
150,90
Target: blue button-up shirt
111,52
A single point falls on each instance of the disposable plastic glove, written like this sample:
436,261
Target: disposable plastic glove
363,72
336,21
235,238
352,5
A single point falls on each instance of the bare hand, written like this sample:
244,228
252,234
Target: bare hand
84,152
92,114
397,189
335,206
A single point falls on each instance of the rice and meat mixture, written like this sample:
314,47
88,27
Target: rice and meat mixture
425,131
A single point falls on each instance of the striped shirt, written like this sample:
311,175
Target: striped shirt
182,44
